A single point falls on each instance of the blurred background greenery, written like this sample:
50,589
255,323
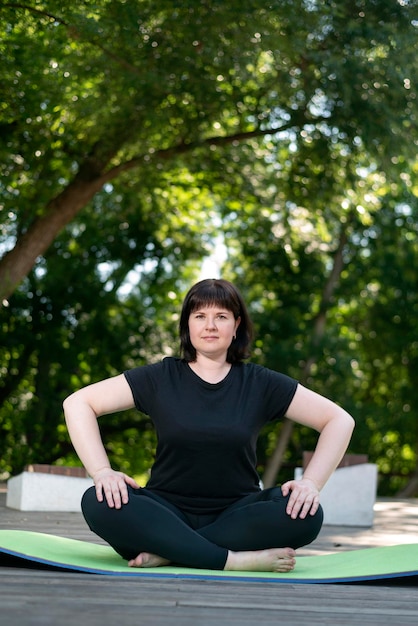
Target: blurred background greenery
145,145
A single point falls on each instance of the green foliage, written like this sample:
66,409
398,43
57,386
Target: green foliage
104,298
366,358
277,128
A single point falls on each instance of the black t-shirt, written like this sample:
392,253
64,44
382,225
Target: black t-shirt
207,433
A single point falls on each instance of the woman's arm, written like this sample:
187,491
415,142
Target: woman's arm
81,410
335,426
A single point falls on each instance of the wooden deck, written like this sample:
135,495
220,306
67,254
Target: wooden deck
31,597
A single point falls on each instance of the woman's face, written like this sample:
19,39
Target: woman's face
212,330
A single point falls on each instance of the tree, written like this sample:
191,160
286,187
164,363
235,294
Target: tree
107,87
315,340
79,319
385,365
365,359
130,129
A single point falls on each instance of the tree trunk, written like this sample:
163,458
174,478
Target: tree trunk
411,488
17,263
275,462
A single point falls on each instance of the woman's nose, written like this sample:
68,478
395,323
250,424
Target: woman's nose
210,323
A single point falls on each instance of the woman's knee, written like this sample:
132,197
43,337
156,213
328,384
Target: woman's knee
311,527
89,504
318,519
88,498
294,532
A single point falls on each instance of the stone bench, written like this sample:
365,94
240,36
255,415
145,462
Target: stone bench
47,488
349,496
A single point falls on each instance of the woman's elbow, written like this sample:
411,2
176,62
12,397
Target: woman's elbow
348,421
72,404
68,401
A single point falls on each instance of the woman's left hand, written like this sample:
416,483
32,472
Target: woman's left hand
304,497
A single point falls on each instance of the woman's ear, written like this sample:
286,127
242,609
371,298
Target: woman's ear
237,323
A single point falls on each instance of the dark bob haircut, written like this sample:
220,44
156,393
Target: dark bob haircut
221,293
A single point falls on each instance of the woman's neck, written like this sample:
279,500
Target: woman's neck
211,371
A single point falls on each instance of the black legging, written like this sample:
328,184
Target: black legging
148,523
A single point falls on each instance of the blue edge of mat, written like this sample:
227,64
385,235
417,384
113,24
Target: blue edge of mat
197,576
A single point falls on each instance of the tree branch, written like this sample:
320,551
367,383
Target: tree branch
167,153
92,175
25,7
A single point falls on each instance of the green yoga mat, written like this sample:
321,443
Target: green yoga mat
82,556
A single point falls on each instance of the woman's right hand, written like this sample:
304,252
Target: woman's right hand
112,485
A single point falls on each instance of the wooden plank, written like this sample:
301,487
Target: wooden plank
20,588
100,600
30,597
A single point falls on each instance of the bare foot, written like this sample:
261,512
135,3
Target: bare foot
271,560
146,559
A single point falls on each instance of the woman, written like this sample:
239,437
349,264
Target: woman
203,506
